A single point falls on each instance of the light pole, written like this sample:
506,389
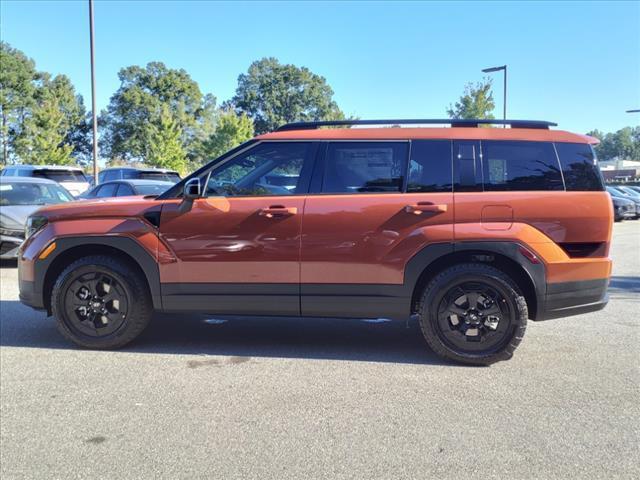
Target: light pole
93,97
504,101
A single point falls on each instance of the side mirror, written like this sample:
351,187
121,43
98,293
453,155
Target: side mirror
192,190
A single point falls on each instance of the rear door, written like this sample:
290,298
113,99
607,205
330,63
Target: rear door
373,206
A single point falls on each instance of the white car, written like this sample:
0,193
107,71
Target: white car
71,178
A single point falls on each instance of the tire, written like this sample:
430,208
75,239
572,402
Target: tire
122,292
486,332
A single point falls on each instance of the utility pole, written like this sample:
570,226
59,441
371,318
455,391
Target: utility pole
94,114
504,101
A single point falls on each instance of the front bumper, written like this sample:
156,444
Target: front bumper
29,296
567,299
9,246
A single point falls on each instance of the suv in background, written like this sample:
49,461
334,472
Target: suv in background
130,173
470,231
126,188
71,178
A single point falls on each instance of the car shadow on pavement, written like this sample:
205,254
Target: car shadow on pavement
276,337
624,287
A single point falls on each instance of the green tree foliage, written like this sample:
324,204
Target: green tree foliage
231,130
145,96
475,102
43,119
165,148
272,94
623,144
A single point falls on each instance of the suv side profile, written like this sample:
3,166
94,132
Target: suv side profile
71,178
471,231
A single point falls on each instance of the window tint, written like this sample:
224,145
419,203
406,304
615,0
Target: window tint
61,175
160,176
271,168
430,166
361,167
23,172
124,190
520,166
466,166
107,190
578,167
111,175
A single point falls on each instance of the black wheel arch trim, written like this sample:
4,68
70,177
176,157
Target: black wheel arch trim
128,246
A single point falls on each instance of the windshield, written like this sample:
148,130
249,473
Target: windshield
162,176
24,193
152,189
61,175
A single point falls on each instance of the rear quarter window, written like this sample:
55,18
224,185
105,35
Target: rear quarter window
521,166
578,162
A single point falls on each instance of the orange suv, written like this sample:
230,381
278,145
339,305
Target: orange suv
471,231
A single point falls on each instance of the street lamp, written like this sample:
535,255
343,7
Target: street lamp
504,102
94,114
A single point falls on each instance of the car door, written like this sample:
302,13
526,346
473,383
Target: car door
373,205
238,247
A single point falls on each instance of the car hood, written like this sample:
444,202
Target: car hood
16,215
100,208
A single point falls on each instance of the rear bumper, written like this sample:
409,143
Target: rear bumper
573,298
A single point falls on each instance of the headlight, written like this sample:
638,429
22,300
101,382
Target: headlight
34,223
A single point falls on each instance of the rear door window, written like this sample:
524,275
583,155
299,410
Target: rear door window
110,175
467,175
125,190
430,166
579,167
513,165
365,167
61,175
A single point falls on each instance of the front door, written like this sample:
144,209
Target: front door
238,248
377,205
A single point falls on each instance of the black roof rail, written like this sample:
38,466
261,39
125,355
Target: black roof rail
475,122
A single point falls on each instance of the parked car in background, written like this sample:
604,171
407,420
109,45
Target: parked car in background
367,231
124,188
635,188
19,198
130,173
619,192
71,178
622,207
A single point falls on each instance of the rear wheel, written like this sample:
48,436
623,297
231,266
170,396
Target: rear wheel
101,302
474,314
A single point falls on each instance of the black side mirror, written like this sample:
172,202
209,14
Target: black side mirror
192,190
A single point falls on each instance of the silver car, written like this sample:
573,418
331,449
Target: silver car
19,198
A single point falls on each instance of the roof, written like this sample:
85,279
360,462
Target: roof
10,179
161,170
45,167
139,181
453,133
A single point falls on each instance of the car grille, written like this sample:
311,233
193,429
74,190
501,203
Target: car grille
12,233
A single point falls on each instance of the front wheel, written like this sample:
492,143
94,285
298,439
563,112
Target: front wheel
473,313
101,302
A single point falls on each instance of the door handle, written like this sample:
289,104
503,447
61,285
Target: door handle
277,211
420,207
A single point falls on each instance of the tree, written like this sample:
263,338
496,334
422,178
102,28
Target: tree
623,144
145,95
475,102
231,130
48,131
164,149
272,94
17,89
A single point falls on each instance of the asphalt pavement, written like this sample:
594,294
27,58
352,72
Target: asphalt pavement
289,398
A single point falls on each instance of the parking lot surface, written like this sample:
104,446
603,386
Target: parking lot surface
289,398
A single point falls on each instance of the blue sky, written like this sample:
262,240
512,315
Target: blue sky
577,63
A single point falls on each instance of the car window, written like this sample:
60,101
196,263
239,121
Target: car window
430,166
152,189
579,167
23,172
160,176
270,168
107,190
24,193
110,175
61,175
364,167
125,190
129,174
510,165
